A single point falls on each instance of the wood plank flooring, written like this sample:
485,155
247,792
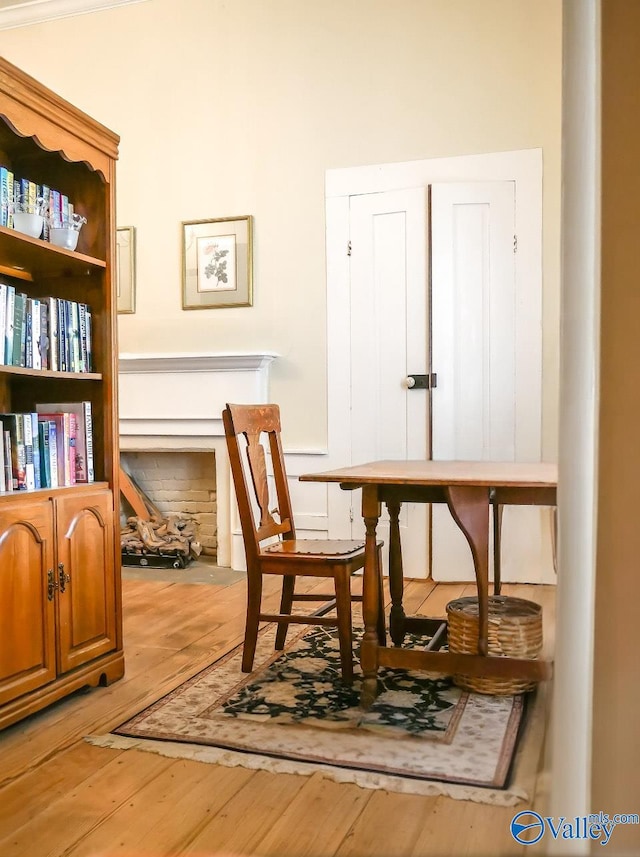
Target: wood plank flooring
61,796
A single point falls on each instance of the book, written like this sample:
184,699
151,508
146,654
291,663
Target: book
81,411
53,453
29,464
8,475
6,195
36,359
45,454
8,331
13,424
53,333
43,343
18,327
3,319
3,475
35,439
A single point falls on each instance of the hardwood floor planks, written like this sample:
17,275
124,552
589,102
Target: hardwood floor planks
62,796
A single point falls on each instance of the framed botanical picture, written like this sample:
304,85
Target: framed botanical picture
217,262
126,269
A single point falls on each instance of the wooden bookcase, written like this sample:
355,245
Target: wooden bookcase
60,594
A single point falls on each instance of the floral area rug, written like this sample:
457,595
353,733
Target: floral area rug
422,735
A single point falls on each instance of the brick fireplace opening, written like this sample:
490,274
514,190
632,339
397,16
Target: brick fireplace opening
171,412
180,483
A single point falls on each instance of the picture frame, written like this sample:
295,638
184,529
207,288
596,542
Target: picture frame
126,269
217,263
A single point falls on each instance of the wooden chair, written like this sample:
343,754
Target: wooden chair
288,556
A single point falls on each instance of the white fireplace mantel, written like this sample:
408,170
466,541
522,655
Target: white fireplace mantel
175,401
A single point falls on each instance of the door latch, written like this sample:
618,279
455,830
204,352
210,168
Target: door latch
422,382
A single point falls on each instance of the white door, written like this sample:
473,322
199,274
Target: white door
486,340
389,287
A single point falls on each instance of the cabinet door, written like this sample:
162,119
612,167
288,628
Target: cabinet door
27,630
85,574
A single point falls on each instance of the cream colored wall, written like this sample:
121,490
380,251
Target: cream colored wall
232,108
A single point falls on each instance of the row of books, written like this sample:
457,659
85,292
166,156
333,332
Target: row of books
20,194
44,333
50,447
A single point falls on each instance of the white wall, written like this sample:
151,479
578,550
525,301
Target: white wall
232,108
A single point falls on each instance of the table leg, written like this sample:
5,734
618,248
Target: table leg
396,583
498,509
469,505
370,598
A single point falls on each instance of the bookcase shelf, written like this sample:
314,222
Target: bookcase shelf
30,258
60,592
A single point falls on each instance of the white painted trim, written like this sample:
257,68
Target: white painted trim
212,362
572,713
39,11
524,167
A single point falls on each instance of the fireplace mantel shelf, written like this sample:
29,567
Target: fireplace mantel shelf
203,362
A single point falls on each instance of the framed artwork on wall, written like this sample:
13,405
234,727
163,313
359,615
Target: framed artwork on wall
217,263
126,269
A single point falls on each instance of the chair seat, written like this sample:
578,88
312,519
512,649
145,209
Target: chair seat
322,548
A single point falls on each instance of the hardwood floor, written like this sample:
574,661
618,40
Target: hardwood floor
61,796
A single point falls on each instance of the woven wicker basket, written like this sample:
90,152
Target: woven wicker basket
515,630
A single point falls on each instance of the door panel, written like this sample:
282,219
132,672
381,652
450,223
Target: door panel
27,633
388,275
86,601
489,376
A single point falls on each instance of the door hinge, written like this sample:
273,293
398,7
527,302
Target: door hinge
349,248
351,516
515,243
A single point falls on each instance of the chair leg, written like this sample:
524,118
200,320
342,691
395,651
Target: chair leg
254,597
286,602
382,634
345,633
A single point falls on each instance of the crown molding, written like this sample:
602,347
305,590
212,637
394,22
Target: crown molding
39,11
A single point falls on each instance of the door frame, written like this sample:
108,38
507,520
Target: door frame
524,167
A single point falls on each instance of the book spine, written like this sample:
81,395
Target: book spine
64,209
3,321
18,326
9,323
36,359
53,454
45,455
88,432
8,457
89,342
53,334
71,423
44,334
82,318
35,439
28,339
4,196
3,475
46,201
54,207
75,337
11,192
29,465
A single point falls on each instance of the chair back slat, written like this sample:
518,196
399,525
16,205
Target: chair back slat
250,422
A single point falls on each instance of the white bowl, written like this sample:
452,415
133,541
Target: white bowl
29,224
64,237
